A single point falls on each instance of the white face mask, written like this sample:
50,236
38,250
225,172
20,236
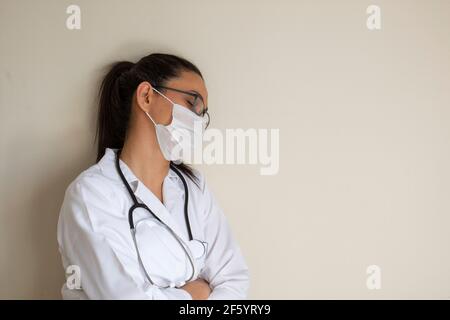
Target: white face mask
179,140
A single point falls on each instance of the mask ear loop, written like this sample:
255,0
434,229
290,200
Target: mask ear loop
150,118
163,97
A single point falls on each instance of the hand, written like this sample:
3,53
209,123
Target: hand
199,289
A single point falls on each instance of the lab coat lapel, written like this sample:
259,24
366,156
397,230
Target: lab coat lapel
147,197
107,163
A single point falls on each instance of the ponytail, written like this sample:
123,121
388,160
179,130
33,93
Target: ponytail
114,109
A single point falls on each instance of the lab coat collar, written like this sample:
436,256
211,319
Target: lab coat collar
108,166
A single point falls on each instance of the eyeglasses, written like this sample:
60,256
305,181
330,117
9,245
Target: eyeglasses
196,104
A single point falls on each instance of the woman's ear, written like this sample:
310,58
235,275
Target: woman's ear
144,95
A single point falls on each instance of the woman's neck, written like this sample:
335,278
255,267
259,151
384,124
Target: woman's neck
143,156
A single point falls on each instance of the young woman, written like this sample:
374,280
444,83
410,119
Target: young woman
141,224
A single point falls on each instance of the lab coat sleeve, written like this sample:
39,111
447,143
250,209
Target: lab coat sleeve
225,268
108,269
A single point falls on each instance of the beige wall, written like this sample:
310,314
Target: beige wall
364,134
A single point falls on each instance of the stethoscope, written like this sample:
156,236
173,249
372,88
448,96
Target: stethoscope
137,205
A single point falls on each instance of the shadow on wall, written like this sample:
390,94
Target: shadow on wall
77,142
48,274
47,200
47,157
31,267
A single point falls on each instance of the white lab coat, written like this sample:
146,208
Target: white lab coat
94,234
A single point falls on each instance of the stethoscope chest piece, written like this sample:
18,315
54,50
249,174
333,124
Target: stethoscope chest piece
198,248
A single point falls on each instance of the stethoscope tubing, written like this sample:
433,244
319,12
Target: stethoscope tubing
136,205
